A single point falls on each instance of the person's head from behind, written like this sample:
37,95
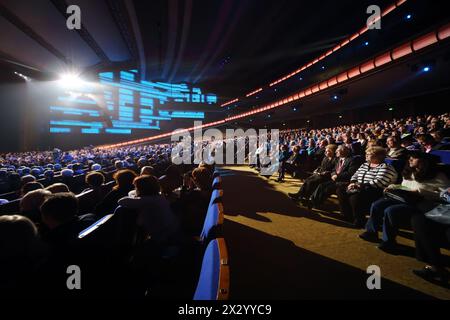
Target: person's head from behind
27,178
124,179
343,151
375,155
420,166
201,178
77,167
18,235
59,209
146,186
95,179
330,150
31,186
147,171
67,173
49,174
58,188
142,162
119,164
33,200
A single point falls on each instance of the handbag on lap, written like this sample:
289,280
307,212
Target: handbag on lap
403,196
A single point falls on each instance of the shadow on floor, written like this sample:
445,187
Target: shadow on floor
263,266
267,199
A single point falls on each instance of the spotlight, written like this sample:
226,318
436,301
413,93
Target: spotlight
323,67
408,16
335,97
301,79
366,43
70,80
426,69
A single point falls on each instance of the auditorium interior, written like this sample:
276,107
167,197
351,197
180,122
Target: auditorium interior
229,150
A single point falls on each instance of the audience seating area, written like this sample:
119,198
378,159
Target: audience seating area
157,228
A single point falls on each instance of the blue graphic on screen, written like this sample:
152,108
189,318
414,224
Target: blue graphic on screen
123,105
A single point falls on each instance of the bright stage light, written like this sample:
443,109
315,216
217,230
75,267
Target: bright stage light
70,80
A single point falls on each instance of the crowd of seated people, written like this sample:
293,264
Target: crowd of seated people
58,194
388,171
40,239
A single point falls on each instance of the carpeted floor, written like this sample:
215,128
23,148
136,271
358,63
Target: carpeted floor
280,250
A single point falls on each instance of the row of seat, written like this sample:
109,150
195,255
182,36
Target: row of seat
117,234
214,279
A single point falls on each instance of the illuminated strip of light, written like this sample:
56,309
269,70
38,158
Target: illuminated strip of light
386,58
388,10
254,92
229,102
353,37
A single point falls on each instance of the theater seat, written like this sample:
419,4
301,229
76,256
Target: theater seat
10,207
444,155
398,166
115,233
86,201
217,183
216,196
214,280
213,222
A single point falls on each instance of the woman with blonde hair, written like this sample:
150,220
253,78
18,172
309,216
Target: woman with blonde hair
366,186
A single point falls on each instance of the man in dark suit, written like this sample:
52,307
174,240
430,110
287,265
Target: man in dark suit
354,146
345,168
320,175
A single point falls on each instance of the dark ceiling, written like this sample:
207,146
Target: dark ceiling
229,47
